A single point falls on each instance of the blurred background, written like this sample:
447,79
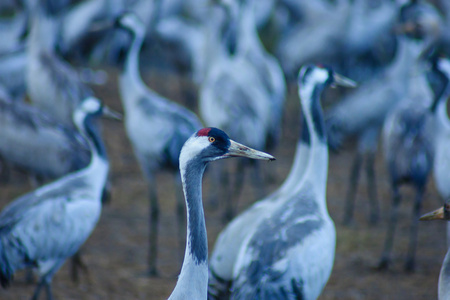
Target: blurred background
63,50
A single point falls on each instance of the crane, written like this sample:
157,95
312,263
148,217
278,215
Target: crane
52,84
156,127
46,226
408,150
234,98
34,142
251,254
204,146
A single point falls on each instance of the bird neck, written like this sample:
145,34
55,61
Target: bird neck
130,78
193,280
302,154
314,136
441,88
442,116
248,39
97,170
42,33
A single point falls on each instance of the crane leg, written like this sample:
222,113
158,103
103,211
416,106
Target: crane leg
180,214
153,234
410,259
76,263
372,189
385,256
352,186
43,282
5,171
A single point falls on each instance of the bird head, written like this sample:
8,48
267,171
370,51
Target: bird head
319,74
93,107
131,23
210,144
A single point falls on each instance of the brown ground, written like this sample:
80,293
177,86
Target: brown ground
116,251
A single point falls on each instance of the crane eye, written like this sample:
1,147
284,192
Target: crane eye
211,139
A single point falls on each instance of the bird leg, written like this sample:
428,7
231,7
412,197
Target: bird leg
410,259
351,193
372,189
180,214
43,282
153,226
385,257
76,262
5,171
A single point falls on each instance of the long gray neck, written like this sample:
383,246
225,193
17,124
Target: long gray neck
193,280
130,77
315,136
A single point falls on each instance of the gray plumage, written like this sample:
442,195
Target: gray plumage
156,127
36,143
53,85
408,151
283,246
361,114
43,228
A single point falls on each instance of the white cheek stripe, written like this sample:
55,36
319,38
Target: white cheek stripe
193,147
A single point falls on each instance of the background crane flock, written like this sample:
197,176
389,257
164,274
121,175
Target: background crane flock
297,228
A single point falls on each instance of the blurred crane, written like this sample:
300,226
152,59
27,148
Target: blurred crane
34,142
269,250
408,150
204,146
234,98
43,228
361,113
53,85
156,127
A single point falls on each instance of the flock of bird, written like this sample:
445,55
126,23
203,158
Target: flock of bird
281,247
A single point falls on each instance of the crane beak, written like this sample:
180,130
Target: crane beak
111,114
437,214
239,150
343,81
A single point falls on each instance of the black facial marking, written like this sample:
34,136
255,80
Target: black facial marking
91,126
219,147
317,114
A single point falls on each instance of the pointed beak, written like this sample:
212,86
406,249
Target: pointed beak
437,214
111,114
343,81
239,150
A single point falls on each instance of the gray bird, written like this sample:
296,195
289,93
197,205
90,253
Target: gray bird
204,146
408,150
34,142
52,84
156,127
361,114
43,228
283,246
